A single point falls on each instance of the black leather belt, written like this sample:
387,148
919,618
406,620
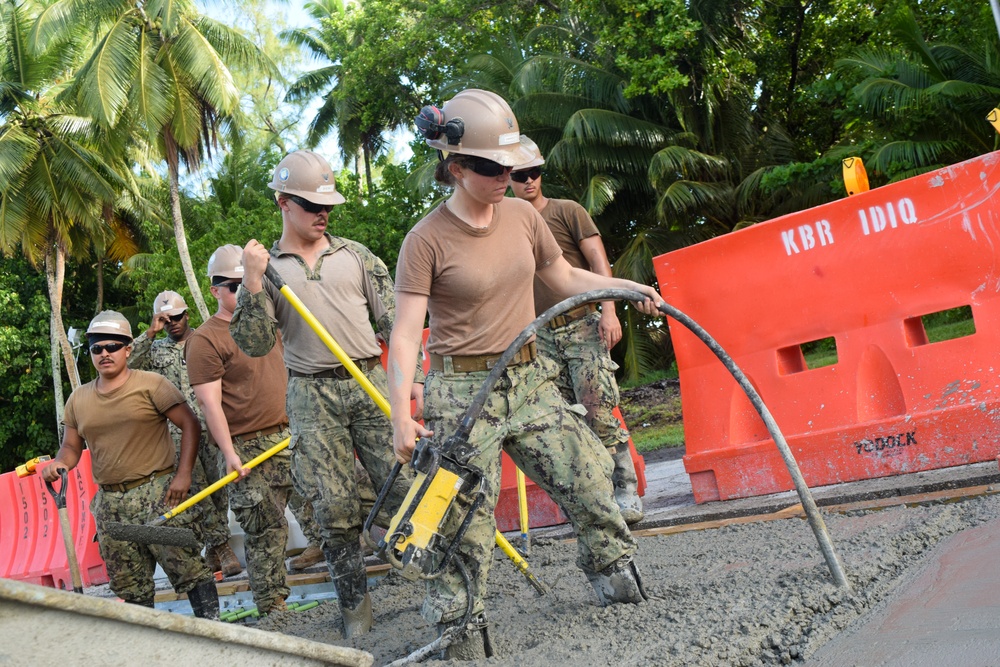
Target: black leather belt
340,372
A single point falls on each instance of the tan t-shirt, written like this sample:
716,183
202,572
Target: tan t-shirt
342,292
126,428
253,388
478,281
570,223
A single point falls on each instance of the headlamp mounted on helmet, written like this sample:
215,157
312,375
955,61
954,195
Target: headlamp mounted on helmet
431,123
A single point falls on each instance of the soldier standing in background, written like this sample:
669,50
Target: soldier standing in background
166,357
243,400
580,340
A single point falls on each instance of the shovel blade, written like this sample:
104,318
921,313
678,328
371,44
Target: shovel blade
144,534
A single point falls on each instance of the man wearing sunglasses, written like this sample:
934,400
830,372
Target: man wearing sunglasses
166,357
332,419
581,339
122,417
243,400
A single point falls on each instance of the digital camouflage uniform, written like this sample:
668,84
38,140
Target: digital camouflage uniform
131,565
586,375
258,501
166,357
303,512
547,439
331,419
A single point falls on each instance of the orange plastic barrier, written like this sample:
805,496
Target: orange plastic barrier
31,543
10,522
43,531
861,272
542,510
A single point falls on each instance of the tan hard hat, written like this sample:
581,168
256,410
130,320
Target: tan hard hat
489,129
226,262
536,161
111,323
307,175
170,303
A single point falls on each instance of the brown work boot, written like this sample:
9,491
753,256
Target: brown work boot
276,606
228,561
212,560
309,557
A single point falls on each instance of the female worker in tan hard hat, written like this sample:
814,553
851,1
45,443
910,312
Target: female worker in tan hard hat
470,263
122,416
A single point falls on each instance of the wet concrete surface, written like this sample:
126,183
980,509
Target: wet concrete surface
947,614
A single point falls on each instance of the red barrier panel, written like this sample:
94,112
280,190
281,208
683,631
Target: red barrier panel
10,521
861,272
23,527
542,511
44,531
31,543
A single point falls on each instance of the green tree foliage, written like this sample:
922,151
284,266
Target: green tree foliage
28,428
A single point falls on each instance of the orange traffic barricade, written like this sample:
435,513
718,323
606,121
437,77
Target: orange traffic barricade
859,275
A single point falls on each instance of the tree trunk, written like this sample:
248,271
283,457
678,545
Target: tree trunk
100,285
368,168
55,272
181,238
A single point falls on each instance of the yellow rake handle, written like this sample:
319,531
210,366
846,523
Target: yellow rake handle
209,490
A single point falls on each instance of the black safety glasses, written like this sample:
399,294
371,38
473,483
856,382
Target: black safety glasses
176,318
308,206
485,167
232,287
98,348
522,176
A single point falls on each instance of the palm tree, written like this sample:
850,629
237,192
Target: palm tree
361,106
162,78
56,188
926,102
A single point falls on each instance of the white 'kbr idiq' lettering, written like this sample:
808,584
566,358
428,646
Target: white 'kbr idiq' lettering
877,218
806,237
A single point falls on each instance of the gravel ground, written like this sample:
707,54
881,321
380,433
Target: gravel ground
751,594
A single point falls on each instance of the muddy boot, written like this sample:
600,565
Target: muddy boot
618,583
212,560
204,599
145,602
472,644
277,605
309,557
227,560
626,484
347,569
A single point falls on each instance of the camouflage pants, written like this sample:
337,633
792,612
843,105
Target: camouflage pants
586,375
527,417
331,421
213,529
131,565
302,510
258,501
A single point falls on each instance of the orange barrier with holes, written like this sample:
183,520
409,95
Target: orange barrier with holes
10,523
860,274
542,510
31,543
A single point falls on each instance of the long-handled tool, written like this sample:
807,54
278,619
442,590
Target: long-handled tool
383,404
155,532
522,506
67,530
